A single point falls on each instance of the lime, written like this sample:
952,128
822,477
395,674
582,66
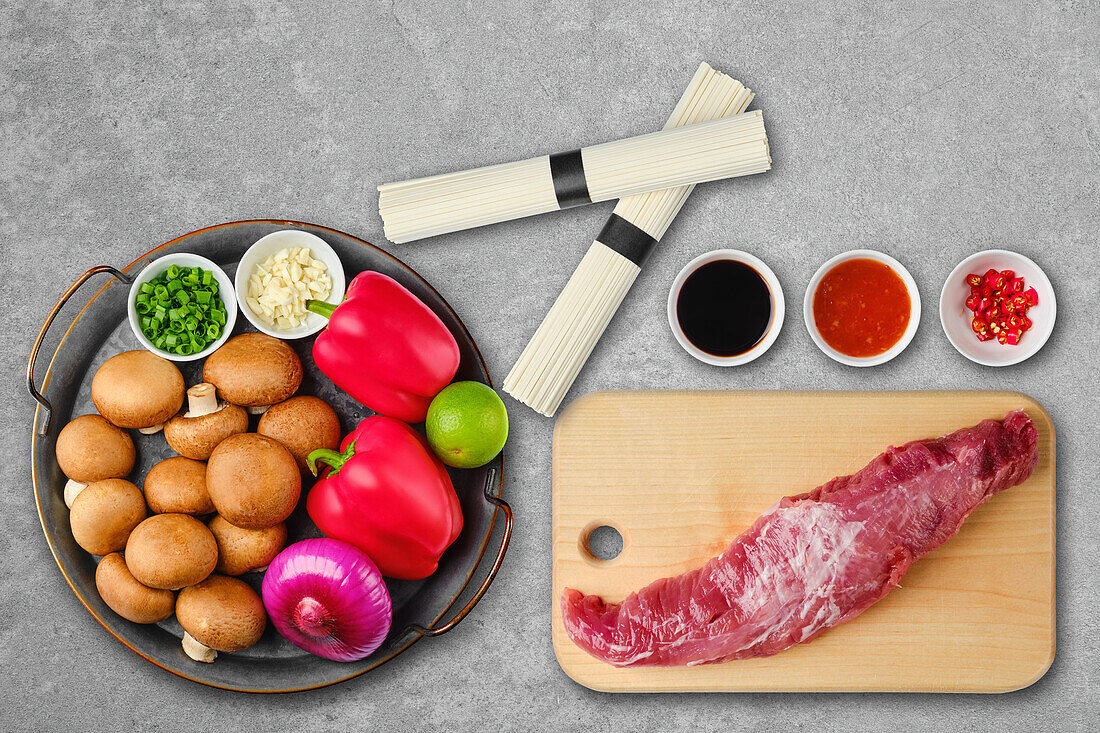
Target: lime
467,424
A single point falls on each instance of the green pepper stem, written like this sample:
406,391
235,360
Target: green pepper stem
329,457
321,308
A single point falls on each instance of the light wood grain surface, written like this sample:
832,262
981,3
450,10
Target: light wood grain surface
680,474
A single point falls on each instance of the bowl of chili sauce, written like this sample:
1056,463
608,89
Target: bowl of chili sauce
862,308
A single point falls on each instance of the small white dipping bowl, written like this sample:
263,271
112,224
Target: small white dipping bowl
774,325
270,244
955,317
183,259
914,308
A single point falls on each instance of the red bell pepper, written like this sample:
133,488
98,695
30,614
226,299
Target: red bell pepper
385,348
386,493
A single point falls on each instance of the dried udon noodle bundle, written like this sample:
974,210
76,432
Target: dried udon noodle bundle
561,345
701,144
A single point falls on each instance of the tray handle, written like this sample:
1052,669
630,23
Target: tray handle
92,272
501,505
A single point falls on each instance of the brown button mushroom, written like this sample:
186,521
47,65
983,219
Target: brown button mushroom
105,514
91,449
207,422
171,551
302,424
243,550
254,370
178,485
138,389
129,598
221,614
253,481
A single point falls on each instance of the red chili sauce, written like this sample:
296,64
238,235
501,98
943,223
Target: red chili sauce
861,307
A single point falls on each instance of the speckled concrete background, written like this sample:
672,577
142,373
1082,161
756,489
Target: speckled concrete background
929,132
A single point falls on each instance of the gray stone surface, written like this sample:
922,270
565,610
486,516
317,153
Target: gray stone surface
929,132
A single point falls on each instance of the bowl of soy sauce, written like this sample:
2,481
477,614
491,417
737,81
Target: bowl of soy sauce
726,307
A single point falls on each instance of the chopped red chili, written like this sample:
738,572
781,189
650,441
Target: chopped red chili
999,304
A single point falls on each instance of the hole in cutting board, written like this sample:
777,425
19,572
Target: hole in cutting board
604,543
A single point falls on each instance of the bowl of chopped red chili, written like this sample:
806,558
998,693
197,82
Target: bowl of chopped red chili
997,308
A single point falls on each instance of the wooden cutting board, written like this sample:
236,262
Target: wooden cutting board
680,474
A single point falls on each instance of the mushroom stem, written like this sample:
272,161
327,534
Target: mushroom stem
197,650
201,400
152,429
257,409
72,488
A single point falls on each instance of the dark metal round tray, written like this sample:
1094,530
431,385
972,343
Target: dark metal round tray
100,330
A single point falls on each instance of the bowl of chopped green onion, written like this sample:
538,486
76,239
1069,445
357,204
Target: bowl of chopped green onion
182,307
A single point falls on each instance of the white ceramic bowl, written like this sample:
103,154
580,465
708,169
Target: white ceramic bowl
955,318
774,325
184,259
269,245
914,308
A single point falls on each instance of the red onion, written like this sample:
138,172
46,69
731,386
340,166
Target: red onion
327,597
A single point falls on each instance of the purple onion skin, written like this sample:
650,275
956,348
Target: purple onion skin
327,597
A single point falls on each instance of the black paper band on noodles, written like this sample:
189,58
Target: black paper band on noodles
570,185
627,239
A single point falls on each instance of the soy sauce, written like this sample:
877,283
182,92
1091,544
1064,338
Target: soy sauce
724,308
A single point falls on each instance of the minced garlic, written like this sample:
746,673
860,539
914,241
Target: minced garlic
280,286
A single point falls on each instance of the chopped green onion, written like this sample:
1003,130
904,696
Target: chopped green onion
179,310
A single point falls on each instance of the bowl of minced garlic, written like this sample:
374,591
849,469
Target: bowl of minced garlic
279,274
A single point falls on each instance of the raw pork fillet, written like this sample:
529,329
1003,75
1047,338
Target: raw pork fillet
812,561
